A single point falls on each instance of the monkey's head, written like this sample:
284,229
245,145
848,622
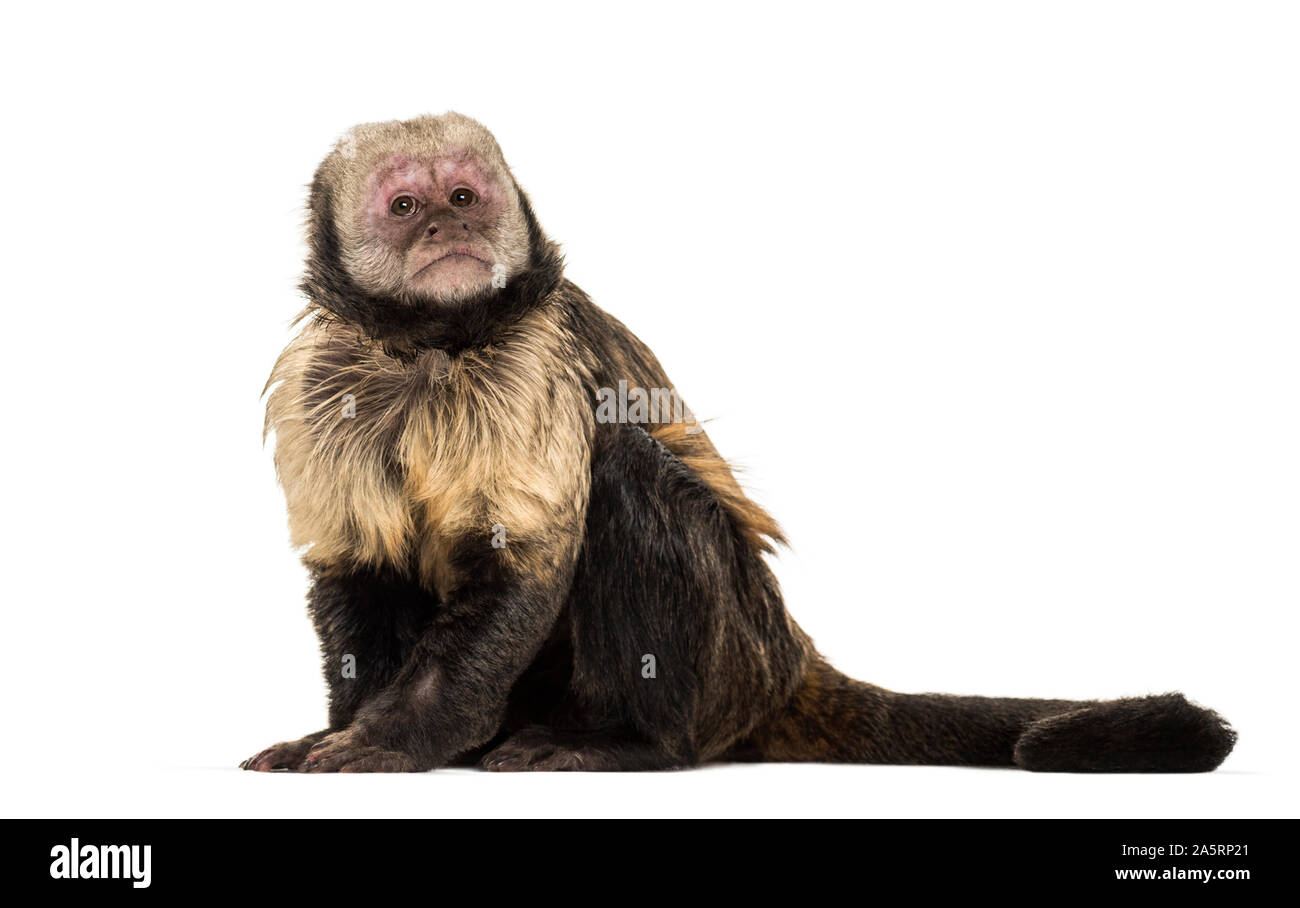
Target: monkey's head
420,236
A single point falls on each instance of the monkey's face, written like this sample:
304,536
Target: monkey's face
429,210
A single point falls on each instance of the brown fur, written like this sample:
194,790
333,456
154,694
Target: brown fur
695,450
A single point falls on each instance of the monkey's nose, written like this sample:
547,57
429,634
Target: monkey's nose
433,228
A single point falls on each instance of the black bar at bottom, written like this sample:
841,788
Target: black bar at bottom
644,859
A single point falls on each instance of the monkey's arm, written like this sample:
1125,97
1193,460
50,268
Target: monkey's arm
450,694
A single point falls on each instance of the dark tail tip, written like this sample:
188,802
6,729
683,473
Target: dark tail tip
1162,733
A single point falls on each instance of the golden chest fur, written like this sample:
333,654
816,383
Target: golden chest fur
393,462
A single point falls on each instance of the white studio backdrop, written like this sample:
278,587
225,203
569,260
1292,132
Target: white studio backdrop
996,304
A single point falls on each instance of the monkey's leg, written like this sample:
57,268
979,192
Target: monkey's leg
368,624
450,694
680,641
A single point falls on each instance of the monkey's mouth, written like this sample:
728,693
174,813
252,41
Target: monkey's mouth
454,254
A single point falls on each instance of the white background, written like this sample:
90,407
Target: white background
996,303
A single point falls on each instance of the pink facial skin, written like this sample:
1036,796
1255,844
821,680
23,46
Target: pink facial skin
447,250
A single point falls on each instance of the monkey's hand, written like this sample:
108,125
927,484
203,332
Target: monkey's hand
286,756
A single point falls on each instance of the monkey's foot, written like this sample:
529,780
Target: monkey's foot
541,749
342,752
286,756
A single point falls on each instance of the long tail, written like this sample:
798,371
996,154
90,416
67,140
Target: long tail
835,719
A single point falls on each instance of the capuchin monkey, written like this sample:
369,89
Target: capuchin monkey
524,552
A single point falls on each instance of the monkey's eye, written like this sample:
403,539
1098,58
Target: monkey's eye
463,198
403,205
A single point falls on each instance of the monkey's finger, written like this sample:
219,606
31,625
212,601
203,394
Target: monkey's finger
348,758
282,757
259,762
332,752
383,761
